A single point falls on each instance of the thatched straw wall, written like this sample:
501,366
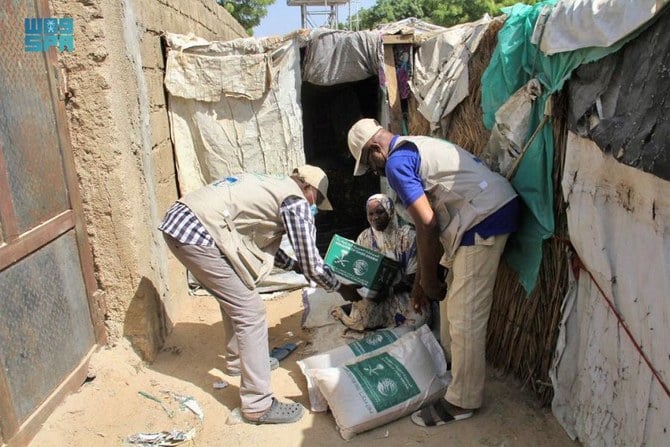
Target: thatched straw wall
464,126
522,329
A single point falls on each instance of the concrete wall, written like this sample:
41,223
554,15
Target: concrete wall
120,137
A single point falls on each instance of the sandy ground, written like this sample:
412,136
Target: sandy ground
110,408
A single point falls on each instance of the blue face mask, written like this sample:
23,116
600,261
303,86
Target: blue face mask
314,209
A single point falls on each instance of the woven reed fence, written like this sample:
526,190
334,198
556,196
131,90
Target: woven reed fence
522,329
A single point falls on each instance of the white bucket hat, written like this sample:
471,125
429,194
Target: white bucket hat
315,177
359,135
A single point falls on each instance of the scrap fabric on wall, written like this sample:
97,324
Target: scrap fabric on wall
572,24
616,102
441,78
609,380
514,62
335,57
233,107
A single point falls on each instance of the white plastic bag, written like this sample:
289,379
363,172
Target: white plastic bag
510,132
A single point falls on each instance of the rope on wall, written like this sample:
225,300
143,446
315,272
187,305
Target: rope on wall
578,265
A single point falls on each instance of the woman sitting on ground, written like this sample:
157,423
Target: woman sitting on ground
393,307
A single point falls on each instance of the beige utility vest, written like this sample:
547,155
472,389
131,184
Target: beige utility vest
241,213
461,190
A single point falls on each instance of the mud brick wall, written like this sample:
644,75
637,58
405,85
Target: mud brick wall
112,85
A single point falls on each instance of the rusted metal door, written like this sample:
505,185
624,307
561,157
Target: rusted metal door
47,327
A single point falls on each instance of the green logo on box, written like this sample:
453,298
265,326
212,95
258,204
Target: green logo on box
359,264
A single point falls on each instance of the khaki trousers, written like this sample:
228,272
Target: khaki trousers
464,316
244,320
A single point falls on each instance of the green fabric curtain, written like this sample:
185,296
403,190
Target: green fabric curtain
514,62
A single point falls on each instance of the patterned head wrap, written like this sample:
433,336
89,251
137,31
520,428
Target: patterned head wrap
385,201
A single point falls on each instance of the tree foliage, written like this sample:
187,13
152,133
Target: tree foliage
439,12
247,12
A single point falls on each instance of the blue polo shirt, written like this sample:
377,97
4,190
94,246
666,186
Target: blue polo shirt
402,172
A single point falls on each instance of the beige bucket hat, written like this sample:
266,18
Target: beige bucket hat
315,176
359,135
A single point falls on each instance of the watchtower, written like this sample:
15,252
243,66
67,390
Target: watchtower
311,11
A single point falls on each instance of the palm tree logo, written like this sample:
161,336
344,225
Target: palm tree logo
360,267
374,340
387,387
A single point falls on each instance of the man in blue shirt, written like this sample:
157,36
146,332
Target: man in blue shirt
451,196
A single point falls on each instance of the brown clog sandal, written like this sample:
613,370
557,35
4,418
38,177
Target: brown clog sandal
279,413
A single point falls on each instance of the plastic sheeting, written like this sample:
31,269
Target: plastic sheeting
335,57
575,24
420,29
514,62
619,225
234,107
441,76
230,119
616,102
209,77
508,140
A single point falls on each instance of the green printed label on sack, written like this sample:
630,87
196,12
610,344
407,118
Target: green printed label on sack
384,380
372,342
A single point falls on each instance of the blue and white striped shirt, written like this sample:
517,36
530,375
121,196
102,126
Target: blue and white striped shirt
184,226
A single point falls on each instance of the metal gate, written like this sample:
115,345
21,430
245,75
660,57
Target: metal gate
47,328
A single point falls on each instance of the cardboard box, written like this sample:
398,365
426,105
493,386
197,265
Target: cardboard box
360,265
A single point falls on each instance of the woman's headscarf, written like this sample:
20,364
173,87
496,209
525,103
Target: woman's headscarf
383,240
385,201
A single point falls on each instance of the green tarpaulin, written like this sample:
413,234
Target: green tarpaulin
514,62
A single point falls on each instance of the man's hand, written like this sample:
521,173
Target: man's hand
350,292
419,298
434,290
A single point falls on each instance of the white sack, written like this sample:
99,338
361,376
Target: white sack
383,386
337,356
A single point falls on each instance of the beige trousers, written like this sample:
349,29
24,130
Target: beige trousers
244,321
464,316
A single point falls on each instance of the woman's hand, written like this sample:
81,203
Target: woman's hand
381,295
350,292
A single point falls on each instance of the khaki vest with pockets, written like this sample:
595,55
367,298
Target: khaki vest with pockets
241,212
461,190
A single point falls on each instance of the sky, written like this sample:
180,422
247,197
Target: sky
282,19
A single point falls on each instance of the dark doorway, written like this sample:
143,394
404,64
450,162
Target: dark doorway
328,113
